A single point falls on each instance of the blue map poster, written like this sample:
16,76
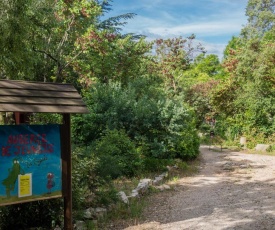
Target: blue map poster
30,163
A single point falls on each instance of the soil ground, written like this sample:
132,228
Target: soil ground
232,190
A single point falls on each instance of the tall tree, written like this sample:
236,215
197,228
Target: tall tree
42,35
66,40
173,57
249,93
261,17
15,27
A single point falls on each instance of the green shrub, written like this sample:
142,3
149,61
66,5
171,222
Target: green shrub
152,164
188,147
85,180
182,138
156,122
46,118
255,137
272,148
110,108
205,128
105,195
90,188
117,155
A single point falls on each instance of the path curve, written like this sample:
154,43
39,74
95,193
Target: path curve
232,190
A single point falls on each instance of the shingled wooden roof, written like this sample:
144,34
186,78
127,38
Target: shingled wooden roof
39,97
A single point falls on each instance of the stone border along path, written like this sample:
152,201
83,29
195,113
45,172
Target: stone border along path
232,190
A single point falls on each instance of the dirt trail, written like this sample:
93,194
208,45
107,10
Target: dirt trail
232,191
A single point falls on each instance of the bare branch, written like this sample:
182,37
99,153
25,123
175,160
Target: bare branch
68,63
44,52
65,36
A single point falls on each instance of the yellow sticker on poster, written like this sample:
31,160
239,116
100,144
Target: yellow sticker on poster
25,185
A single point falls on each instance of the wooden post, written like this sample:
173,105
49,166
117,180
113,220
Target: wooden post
21,118
17,118
67,171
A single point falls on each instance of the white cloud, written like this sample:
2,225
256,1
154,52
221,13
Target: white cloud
203,29
214,48
162,28
215,21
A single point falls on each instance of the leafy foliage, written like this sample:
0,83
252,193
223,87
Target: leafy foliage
157,125
116,147
246,98
260,17
173,57
138,116
90,186
249,94
144,108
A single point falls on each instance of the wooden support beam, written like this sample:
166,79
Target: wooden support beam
67,171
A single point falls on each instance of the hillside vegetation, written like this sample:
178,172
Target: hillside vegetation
148,101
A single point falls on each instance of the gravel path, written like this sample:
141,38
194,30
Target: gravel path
232,190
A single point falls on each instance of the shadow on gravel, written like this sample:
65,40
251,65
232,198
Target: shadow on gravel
226,194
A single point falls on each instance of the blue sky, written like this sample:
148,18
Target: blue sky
214,22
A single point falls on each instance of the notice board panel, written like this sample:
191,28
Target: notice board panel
30,163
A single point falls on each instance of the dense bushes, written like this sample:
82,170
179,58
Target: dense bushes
130,130
158,126
90,187
117,154
138,124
